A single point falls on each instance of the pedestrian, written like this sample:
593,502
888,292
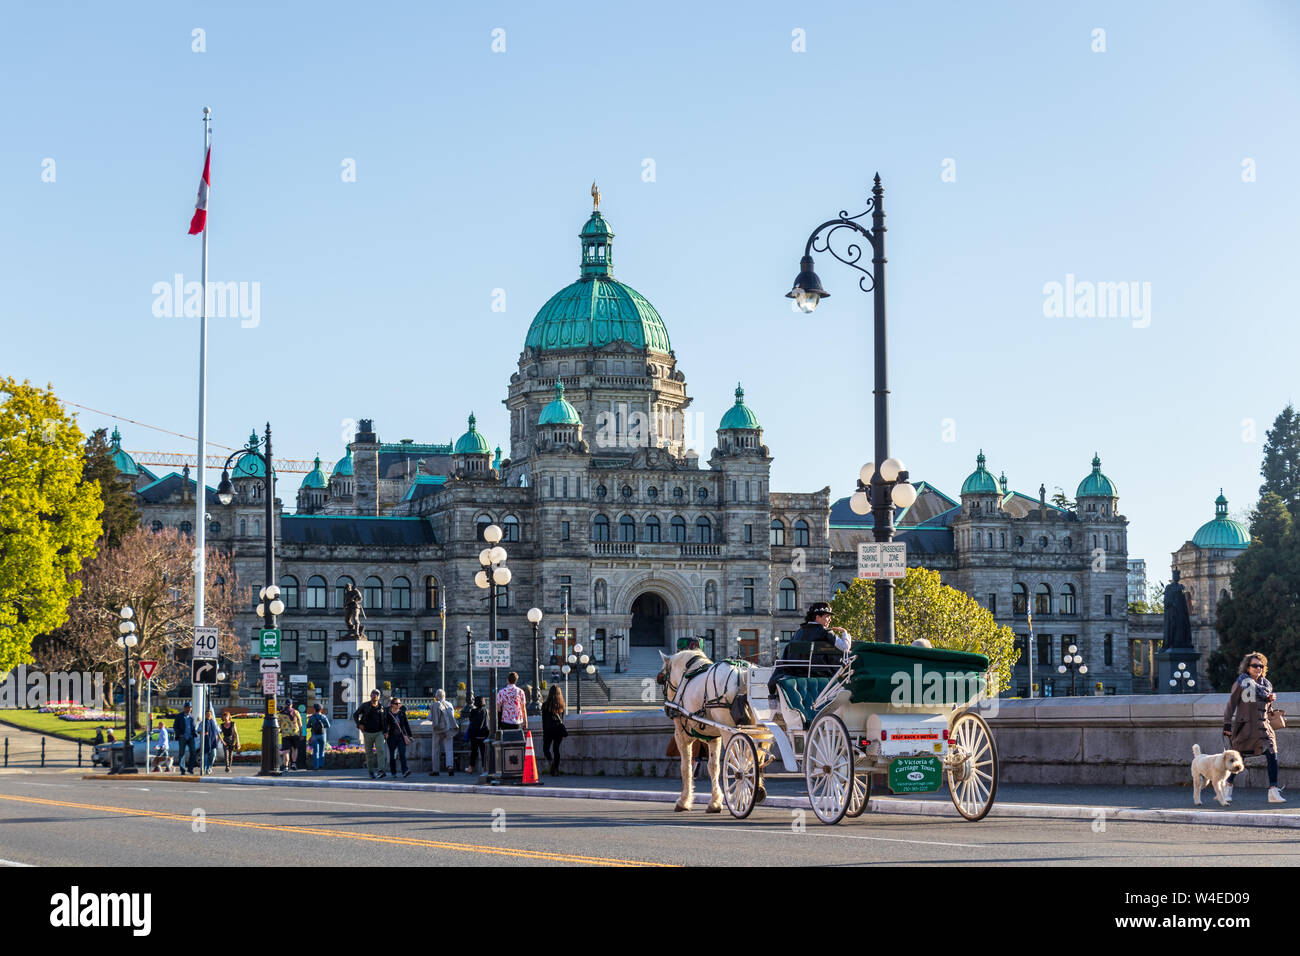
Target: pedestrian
478,733
319,725
186,732
445,728
161,758
399,735
99,734
229,737
211,737
553,729
512,705
1246,720
372,720
290,728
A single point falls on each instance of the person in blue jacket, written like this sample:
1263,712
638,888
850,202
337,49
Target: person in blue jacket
211,737
186,732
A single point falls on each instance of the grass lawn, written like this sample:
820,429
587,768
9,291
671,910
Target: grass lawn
250,728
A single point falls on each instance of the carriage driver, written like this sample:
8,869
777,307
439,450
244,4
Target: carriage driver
825,641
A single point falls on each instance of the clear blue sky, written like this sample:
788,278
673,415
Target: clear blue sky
472,174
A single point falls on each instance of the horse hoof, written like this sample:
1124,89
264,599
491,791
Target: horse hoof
760,795
678,808
712,809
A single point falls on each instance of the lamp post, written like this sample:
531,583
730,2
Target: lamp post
469,666
1182,678
577,663
494,574
126,640
269,595
535,619
880,489
1072,661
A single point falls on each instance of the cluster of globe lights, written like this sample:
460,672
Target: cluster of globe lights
903,493
1072,656
270,594
126,629
492,560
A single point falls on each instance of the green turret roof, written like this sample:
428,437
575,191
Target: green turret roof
1096,485
250,466
343,467
559,411
739,415
981,480
1222,532
315,478
124,463
472,443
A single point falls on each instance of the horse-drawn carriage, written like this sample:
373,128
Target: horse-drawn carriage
902,710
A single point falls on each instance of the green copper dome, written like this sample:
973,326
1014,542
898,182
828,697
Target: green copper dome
1222,532
1097,485
250,466
981,480
559,412
124,463
315,478
739,415
597,309
343,467
472,443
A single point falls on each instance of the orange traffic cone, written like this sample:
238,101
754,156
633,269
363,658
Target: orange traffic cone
530,761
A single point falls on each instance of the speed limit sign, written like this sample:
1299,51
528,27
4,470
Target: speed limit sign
205,643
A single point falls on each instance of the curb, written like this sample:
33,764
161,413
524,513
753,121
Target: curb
897,805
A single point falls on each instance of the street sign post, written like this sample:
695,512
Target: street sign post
268,639
876,559
205,643
491,653
204,671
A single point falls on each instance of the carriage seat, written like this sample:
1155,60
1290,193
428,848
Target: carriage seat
800,692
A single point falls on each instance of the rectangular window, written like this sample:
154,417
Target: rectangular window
288,646
598,645
749,594
1108,605
1019,602
430,646
706,642
401,649
503,634
566,591
787,636
749,534
1044,649
564,531
565,483
377,638
1108,654
993,604
316,647
315,595
550,487
503,597
734,497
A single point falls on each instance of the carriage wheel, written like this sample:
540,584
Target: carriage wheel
740,775
828,768
972,780
861,793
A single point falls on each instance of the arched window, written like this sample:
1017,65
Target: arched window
480,525
157,526
801,534
788,596
1068,543
652,530
1042,541
627,528
340,589
600,595
710,597
841,587
703,530
315,593
1019,599
372,597
510,528
776,534
600,528
679,529
990,540
187,527
243,526
401,594
1068,600
431,596
1042,599
257,527
1020,541
289,592
1002,539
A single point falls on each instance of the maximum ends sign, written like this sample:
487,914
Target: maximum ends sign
877,559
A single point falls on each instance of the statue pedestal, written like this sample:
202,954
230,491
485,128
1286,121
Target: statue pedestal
1167,662
352,677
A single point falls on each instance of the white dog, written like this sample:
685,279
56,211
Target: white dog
1215,769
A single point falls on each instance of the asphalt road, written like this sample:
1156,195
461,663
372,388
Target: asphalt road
57,819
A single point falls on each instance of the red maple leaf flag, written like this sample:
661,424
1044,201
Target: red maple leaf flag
200,220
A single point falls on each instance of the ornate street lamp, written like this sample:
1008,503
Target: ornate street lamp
535,619
1182,678
126,640
1073,661
879,490
577,663
494,574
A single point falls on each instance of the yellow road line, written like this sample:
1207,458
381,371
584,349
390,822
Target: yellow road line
344,834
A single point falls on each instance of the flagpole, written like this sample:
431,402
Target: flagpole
200,489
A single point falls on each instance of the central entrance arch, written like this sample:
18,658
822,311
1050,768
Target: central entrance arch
649,621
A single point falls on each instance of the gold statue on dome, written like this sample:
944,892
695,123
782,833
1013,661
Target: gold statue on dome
595,198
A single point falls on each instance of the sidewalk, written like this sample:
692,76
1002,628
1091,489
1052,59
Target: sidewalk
1112,804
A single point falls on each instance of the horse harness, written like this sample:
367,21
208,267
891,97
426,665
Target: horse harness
715,697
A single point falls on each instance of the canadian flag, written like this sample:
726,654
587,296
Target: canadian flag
200,220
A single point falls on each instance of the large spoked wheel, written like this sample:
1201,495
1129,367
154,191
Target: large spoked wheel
740,775
972,767
828,768
861,792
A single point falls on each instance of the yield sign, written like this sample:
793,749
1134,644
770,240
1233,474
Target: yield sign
147,668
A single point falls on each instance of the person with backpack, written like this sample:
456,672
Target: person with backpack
319,725
445,728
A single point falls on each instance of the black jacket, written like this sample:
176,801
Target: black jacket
478,724
398,725
372,719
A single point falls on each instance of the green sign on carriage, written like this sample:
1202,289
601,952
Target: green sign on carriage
922,774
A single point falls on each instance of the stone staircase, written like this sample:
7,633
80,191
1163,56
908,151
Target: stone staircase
631,687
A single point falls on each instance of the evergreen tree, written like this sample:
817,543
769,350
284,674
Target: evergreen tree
120,512
1281,468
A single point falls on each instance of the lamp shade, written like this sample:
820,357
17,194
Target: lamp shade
534,615
126,614
860,504
498,555
903,494
277,607
492,534
225,490
501,576
890,469
481,580
807,289
485,556
867,472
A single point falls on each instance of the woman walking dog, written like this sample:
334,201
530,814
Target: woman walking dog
1246,720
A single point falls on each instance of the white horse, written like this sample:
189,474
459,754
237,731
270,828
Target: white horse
698,686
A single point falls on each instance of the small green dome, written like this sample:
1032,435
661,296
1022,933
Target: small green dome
472,443
124,463
981,480
559,412
250,466
1097,485
739,415
315,478
1222,532
343,467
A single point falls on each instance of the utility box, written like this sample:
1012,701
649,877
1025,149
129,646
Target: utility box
510,756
